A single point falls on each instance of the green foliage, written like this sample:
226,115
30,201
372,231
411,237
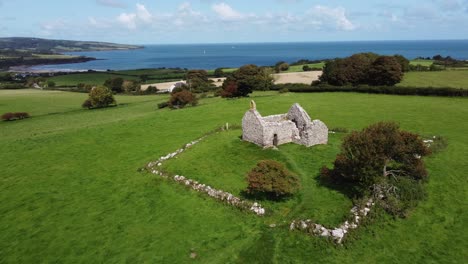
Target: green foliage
218,73
50,84
131,86
251,77
115,84
284,90
181,99
376,154
198,82
99,97
281,66
272,179
306,68
363,68
404,62
385,70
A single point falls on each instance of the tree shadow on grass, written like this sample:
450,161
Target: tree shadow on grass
345,188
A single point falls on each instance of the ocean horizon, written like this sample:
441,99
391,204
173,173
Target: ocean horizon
212,55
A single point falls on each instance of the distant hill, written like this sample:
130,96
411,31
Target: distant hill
38,45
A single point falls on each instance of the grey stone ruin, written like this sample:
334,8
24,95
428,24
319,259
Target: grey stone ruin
271,131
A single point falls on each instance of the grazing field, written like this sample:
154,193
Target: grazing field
449,78
71,190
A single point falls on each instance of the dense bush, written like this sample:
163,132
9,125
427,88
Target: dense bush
131,86
364,68
115,84
378,153
251,77
15,116
306,68
281,66
385,70
181,99
272,180
198,81
218,72
50,84
382,159
99,97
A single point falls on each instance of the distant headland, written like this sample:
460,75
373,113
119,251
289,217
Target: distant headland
21,51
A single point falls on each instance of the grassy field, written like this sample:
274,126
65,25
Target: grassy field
449,78
422,62
71,190
298,68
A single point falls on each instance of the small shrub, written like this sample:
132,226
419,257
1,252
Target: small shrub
15,116
271,179
181,99
99,97
50,84
163,105
306,68
284,90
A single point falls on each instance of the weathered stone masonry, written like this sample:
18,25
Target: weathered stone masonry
295,126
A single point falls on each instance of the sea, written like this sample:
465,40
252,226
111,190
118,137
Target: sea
211,56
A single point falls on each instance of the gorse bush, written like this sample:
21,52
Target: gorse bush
271,179
15,116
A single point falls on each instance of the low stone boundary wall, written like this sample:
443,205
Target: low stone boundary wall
357,213
219,195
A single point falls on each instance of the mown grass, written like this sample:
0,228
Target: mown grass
298,68
71,192
448,78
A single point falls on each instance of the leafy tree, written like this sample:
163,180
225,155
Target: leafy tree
131,86
404,62
99,97
251,77
230,89
198,81
272,179
181,99
219,72
385,70
377,154
306,68
115,84
281,66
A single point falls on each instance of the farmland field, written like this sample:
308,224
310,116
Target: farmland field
72,191
448,78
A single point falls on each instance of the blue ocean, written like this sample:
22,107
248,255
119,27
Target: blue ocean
211,56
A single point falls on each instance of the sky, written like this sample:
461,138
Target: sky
235,21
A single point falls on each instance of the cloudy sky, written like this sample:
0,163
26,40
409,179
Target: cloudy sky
211,21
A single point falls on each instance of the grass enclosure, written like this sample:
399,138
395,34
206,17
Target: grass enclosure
71,191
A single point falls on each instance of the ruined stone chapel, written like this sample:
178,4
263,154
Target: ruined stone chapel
271,131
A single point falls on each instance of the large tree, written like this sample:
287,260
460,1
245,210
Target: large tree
386,70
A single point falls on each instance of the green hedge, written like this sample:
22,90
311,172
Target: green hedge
396,90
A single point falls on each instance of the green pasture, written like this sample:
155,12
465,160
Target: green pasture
72,191
449,78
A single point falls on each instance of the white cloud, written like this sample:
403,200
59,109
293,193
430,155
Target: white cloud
143,14
111,3
337,16
127,20
131,20
226,12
